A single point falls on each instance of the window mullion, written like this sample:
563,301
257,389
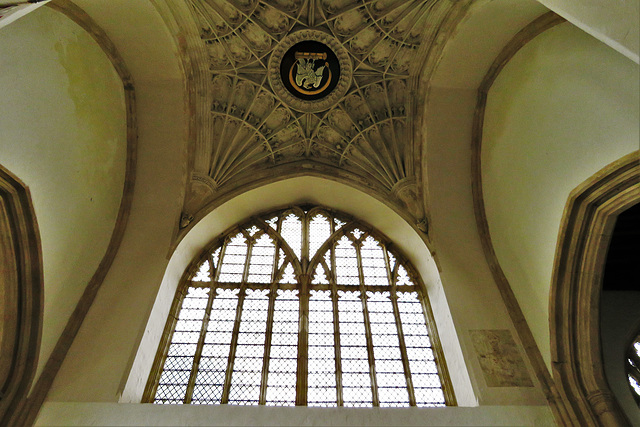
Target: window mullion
333,280
303,339
269,332
203,331
396,315
236,328
338,355
304,280
367,327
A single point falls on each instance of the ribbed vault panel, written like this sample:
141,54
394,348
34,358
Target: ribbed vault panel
366,136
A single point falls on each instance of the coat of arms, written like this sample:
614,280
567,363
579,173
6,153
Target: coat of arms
311,70
308,69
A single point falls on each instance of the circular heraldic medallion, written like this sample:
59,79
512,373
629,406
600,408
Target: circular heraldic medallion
310,71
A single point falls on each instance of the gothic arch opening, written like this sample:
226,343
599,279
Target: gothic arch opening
21,295
576,288
294,191
301,306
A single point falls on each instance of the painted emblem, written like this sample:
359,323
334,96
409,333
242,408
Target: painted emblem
309,70
309,75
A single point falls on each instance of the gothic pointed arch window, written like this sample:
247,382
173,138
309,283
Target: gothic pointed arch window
302,306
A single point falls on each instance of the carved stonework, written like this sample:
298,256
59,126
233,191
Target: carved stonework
21,296
363,126
326,102
500,360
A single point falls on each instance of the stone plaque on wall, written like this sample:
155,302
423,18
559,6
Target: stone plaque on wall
499,357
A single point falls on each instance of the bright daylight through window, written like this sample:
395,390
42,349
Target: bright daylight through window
300,307
633,368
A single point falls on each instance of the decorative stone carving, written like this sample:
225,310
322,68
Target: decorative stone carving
500,360
21,295
310,106
363,126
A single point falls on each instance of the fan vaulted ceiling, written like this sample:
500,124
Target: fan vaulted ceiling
246,132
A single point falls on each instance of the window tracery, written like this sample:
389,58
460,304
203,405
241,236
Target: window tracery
303,306
633,368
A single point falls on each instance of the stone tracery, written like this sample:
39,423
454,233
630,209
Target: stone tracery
365,131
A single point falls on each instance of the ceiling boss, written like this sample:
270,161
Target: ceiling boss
310,71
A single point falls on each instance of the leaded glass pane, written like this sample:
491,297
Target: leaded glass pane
262,257
321,389
202,275
346,263
424,373
374,267
390,379
291,231
320,278
234,259
373,350
281,381
319,232
356,380
172,385
247,366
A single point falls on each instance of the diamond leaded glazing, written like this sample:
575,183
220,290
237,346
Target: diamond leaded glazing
300,307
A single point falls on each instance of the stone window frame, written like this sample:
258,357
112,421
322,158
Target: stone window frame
304,277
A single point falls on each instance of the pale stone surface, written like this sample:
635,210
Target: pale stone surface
62,115
501,362
561,99
114,414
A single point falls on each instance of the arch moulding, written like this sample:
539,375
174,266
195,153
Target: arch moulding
576,285
21,295
288,192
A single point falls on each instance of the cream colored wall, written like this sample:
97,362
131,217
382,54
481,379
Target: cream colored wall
447,131
611,21
96,363
62,121
564,107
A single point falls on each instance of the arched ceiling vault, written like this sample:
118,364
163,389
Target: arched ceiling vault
244,131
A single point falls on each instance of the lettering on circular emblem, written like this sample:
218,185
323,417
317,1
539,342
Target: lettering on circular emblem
310,70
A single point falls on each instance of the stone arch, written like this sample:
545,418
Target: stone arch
286,192
21,293
585,233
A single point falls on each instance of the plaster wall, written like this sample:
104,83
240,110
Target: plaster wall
476,42
468,283
565,106
62,115
615,23
94,366
619,325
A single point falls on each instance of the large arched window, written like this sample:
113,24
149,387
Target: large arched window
302,306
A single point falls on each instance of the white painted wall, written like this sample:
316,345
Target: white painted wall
63,133
96,363
614,22
564,107
468,283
